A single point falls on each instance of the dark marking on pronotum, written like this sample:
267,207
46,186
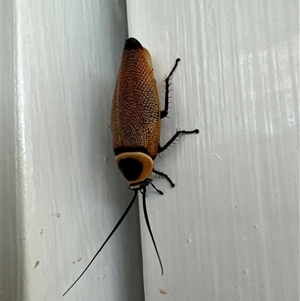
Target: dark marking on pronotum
135,126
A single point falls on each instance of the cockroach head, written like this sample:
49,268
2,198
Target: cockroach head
140,185
136,168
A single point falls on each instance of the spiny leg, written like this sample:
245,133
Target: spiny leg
164,113
143,191
159,191
164,175
178,133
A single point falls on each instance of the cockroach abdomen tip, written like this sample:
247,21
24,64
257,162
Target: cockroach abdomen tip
132,43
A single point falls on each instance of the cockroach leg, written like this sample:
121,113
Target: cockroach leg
164,113
164,175
178,133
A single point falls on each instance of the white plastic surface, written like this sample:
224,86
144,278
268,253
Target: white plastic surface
229,229
62,192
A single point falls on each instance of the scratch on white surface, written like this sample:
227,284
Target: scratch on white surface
217,156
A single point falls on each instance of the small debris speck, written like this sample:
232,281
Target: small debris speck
36,263
163,291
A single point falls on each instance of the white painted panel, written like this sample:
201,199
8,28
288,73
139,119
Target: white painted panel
62,192
229,229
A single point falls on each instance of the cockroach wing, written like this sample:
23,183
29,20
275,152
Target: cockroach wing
135,117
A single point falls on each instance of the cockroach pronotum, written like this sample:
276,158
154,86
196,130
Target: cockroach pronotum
135,127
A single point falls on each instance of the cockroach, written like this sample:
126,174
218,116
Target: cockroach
135,127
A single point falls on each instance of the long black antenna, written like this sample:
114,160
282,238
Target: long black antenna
109,236
143,191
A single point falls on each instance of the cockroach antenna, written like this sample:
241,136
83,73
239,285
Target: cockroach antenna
107,239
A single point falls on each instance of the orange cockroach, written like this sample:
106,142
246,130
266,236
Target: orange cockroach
135,126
